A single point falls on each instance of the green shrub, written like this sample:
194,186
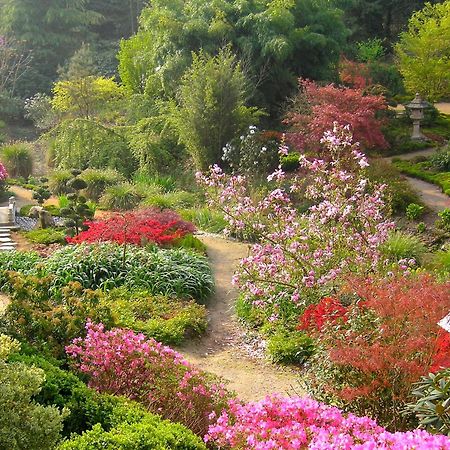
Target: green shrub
171,200
48,321
106,266
290,162
421,227
164,183
205,219
248,314
98,181
432,406
122,197
17,159
441,160
168,320
441,261
403,246
444,217
23,262
24,424
290,348
149,434
57,182
414,211
190,242
46,236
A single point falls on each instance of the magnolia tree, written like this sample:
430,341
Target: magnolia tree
296,253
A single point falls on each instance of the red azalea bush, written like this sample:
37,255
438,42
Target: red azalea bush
137,227
442,356
296,423
328,310
316,107
390,338
123,362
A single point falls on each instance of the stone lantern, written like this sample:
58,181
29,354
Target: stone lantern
417,108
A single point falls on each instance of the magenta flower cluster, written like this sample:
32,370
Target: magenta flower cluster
126,363
341,233
295,423
3,172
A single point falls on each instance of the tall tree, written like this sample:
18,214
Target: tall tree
277,41
424,52
51,29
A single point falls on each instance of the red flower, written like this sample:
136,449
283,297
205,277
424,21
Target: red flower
328,310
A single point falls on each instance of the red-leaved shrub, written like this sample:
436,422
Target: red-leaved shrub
138,227
315,316
316,108
390,338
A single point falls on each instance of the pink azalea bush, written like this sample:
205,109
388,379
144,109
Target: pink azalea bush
301,423
296,252
3,176
122,362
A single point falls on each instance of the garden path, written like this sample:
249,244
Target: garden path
225,350
430,194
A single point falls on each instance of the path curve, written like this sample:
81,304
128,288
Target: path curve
430,194
221,351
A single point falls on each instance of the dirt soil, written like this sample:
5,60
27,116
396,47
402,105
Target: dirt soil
222,350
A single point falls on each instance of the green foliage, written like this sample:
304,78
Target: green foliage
24,424
444,217
290,162
211,108
423,52
84,144
38,109
106,266
46,236
121,197
403,246
85,97
23,262
41,194
441,160
17,159
290,348
172,200
81,65
168,320
48,321
98,181
148,434
441,261
432,405
190,242
414,211
58,180
370,50
206,219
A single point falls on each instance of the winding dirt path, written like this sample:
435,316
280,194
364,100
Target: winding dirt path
430,194
221,351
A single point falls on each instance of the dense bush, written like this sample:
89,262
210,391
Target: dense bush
171,200
381,345
441,160
166,319
17,159
23,262
121,197
432,394
300,423
206,219
106,266
47,321
125,363
58,182
142,227
401,246
46,236
24,424
414,211
98,181
290,348
87,409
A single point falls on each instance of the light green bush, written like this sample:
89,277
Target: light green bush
290,347
17,159
403,246
46,236
205,219
57,182
122,197
98,181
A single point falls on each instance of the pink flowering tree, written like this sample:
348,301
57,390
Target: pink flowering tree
297,254
123,362
301,423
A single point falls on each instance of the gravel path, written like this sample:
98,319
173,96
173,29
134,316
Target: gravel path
226,350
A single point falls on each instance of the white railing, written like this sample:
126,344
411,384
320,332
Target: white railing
12,208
